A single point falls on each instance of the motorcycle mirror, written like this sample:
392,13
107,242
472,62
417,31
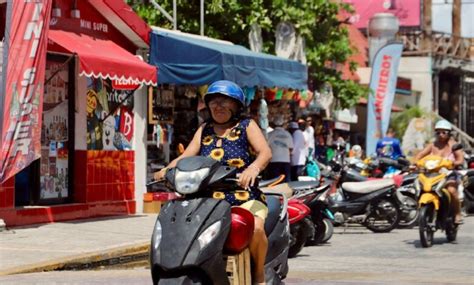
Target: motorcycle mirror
169,176
457,147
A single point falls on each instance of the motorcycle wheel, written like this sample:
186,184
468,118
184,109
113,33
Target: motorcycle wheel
319,232
384,216
410,213
426,218
329,230
298,236
451,230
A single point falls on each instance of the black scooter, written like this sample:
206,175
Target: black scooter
189,237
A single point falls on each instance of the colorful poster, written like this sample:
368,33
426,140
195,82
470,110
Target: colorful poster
382,86
109,116
26,39
408,12
54,134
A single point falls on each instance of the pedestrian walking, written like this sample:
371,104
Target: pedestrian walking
281,144
299,153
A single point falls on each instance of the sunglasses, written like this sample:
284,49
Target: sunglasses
442,132
223,102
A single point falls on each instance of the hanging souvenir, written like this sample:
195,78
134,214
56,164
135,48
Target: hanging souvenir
263,114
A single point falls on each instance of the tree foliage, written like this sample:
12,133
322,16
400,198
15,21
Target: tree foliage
327,42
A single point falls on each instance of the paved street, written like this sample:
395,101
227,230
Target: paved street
353,256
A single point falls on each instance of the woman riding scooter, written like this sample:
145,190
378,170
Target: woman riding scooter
442,146
230,138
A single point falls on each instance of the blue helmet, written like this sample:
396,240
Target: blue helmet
226,88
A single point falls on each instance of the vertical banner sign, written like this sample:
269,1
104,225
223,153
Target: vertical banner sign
383,81
25,69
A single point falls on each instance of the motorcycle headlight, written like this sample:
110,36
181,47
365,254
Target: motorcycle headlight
187,182
208,235
157,235
431,164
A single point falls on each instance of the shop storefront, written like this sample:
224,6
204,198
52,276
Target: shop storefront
92,120
187,64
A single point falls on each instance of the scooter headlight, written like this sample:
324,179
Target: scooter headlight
209,234
431,164
157,235
187,182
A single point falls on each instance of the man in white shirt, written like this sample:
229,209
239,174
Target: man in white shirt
299,153
309,135
281,144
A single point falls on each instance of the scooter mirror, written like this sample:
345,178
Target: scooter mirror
170,175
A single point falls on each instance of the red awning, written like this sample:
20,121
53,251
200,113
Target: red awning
105,59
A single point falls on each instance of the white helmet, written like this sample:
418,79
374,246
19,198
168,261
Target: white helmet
443,125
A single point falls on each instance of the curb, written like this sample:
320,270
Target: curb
85,261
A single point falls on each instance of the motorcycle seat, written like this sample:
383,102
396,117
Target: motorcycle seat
273,205
367,186
302,185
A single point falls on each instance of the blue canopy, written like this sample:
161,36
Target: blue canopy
188,60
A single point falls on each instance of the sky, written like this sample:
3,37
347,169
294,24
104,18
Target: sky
441,17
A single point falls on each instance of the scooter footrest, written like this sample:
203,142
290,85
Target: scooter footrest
238,268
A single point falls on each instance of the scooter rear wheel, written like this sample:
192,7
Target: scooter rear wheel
384,216
329,230
410,212
426,219
299,235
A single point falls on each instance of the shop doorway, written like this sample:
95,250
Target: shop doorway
48,180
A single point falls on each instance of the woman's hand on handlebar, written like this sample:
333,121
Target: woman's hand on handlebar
248,177
160,175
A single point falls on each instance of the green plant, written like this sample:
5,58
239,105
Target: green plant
400,121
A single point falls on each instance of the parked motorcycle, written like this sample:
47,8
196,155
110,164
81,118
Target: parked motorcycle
436,211
301,226
468,191
193,233
405,192
314,196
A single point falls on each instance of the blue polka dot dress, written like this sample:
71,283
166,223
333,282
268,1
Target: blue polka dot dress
231,150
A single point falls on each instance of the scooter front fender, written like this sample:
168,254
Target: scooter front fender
429,198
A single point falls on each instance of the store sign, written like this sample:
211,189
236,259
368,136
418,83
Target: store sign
403,86
122,84
23,97
382,86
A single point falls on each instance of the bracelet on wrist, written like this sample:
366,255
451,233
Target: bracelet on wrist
254,167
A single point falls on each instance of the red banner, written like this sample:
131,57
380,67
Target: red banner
23,100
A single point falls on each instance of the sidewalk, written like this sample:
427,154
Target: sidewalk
49,246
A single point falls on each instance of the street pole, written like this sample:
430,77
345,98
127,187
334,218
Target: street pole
202,17
382,29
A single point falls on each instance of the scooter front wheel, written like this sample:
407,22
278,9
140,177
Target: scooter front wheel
451,230
425,224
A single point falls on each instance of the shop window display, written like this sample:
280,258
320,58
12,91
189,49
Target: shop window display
109,116
54,170
173,119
